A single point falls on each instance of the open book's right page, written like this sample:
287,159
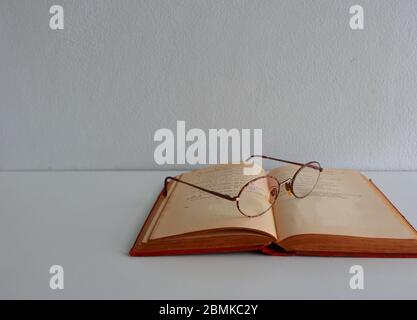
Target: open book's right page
342,203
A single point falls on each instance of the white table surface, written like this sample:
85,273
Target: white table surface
87,222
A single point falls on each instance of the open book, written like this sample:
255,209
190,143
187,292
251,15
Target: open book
345,215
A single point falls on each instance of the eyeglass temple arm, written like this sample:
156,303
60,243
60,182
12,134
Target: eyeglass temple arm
281,160
217,194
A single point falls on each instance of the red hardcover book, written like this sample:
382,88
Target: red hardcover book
345,215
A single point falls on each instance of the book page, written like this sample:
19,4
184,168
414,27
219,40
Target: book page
342,203
189,209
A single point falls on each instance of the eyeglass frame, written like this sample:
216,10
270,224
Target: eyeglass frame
289,183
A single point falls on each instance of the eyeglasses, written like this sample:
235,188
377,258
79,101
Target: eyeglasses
258,195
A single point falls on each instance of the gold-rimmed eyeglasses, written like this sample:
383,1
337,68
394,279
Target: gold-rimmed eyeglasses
258,195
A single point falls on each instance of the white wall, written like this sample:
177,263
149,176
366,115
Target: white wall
92,95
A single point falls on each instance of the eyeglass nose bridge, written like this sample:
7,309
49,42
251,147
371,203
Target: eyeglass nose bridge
287,183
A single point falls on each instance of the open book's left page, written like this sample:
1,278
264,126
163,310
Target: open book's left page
187,209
